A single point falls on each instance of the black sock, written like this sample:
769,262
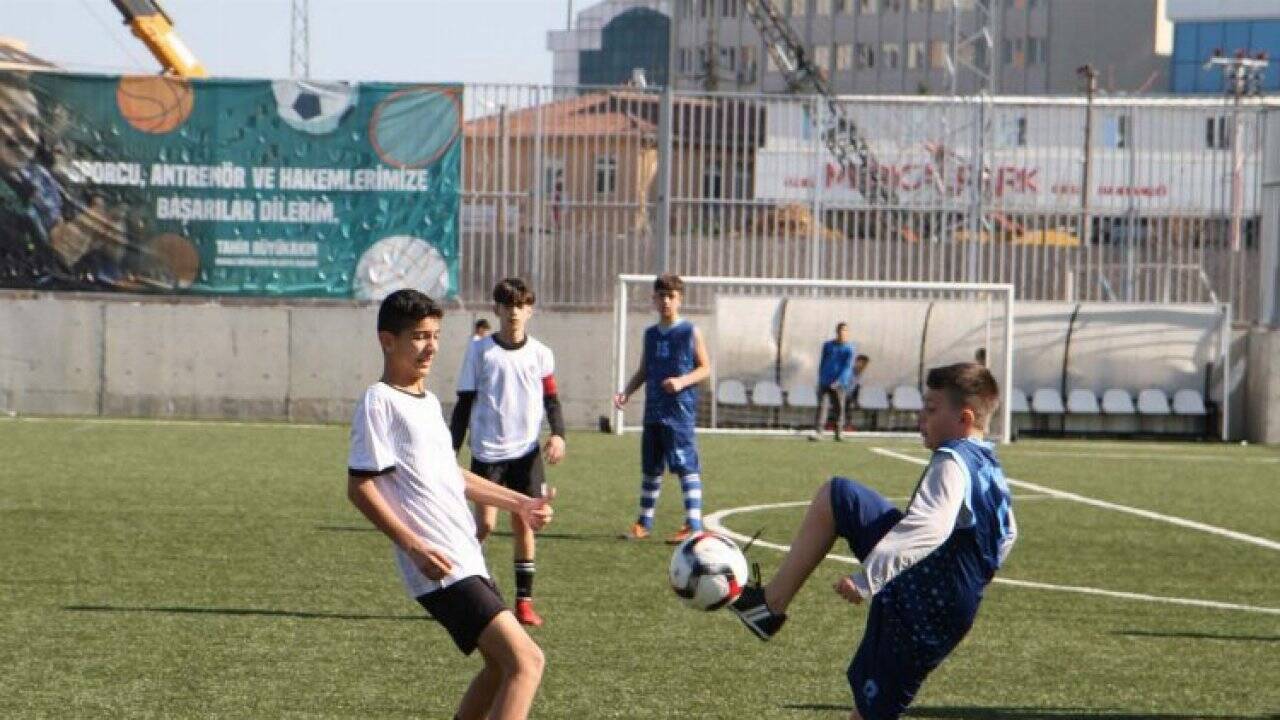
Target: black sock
524,579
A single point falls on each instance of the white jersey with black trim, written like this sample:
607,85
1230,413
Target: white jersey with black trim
401,440
510,383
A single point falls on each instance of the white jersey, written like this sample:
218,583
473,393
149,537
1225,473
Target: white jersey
403,439
510,384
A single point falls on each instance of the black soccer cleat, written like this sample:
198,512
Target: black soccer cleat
752,610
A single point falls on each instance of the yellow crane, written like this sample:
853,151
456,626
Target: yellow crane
154,28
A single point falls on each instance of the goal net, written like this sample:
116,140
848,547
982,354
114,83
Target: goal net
765,339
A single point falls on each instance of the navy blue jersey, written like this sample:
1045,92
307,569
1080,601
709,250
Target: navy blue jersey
937,599
669,352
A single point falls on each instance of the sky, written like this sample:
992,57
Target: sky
473,41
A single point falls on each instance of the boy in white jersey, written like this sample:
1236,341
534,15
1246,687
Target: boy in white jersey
924,570
403,476
506,387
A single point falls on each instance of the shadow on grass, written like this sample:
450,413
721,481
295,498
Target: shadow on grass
946,712
249,612
1197,635
575,537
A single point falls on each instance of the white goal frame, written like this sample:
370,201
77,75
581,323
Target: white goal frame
1005,290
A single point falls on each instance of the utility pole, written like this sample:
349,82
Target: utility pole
1242,75
300,39
1090,75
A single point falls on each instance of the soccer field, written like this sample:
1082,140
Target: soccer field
185,570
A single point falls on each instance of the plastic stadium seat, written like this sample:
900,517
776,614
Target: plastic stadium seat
802,395
766,393
1153,402
731,392
1082,402
1117,402
1018,401
873,397
1047,401
1188,402
907,398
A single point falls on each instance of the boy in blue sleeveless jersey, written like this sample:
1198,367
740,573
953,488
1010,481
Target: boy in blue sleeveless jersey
674,362
923,570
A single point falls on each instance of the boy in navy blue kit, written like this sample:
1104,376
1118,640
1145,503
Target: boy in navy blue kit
675,360
923,570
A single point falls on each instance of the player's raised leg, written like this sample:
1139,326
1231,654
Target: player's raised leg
520,662
840,508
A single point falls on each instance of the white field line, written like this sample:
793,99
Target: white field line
1085,500
1170,457
713,521
89,421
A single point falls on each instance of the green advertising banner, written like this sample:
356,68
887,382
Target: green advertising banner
229,187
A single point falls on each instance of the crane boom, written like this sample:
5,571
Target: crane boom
842,136
153,27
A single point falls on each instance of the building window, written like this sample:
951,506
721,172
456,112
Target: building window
711,180
915,55
822,58
916,6
747,66
892,6
606,174
1035,51
1013,131
822,7
704,7
729,58
702,65
729,8
938,51
941,5
742,179
1217,133
840,6
682,61
867,7
799,8
1006,51
890,54
1115,132
844,57
866,54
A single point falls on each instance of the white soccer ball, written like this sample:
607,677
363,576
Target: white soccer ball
708,571
315,108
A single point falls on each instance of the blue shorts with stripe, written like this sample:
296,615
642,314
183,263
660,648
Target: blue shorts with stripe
672,447
906,635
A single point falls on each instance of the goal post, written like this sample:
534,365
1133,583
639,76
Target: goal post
764,336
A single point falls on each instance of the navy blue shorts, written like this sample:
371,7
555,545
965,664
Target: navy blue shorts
672,447
890,663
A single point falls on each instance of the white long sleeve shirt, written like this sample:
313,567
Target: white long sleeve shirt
935,511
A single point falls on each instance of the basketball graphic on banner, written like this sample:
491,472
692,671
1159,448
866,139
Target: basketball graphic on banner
399,262
153,103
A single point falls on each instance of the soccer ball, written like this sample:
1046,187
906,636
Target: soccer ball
708,571
315,108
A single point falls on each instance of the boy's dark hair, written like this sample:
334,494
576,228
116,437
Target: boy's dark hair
403,309
863,358
512,292
967,384
668,284
482,324
842,325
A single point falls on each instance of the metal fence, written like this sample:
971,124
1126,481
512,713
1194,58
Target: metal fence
1134,200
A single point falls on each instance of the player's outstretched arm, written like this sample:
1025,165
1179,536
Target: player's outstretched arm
536,512
363,493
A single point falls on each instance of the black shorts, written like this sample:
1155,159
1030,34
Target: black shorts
465,609
523,474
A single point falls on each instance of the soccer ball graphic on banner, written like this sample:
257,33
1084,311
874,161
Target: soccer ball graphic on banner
315,108
708,571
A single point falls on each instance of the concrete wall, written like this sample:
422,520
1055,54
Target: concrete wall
1262,417
91,355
